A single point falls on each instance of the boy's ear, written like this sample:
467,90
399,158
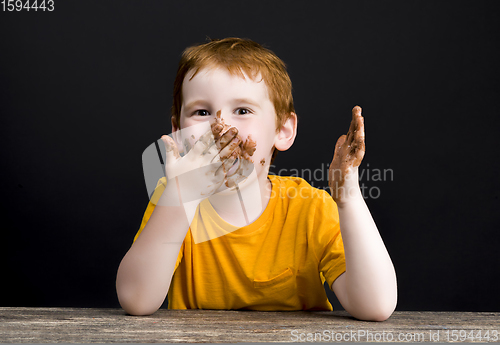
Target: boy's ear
287,133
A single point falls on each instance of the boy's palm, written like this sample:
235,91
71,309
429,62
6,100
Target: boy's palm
349,152
203,170
198,171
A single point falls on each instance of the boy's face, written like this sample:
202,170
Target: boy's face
244,104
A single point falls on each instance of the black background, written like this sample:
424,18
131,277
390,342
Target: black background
86,88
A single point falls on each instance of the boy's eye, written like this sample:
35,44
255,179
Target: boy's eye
242,111
201,112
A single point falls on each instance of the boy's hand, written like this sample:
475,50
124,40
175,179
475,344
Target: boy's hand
201,171
239,155
349,152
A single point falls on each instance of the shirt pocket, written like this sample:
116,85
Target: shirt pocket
282,280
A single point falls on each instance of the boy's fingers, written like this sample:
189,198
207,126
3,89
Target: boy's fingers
244,169
359,135
230,148
360,128
354,126
228,163
338,147
358,141
357,118
207,138
356,111
171,150
357,153
339,143
228,137
216,128
225,165
205,144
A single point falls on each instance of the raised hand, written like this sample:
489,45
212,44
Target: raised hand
349,152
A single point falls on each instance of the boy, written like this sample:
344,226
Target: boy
196,245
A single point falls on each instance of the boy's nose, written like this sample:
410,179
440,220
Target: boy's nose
219,114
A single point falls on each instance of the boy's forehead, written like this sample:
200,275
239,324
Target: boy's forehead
204,79
210,71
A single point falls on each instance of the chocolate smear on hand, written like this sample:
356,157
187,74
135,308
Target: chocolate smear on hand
245,149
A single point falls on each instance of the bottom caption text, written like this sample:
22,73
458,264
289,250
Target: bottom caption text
446,335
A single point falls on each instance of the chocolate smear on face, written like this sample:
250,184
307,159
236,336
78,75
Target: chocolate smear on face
248,148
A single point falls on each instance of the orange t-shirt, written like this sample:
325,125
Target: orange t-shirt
278,262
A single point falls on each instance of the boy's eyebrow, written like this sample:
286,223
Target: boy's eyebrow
195,103
201,102
248,101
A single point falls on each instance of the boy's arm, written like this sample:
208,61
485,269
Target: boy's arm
145,272
367,289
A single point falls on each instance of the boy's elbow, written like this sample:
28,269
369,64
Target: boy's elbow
381,315
380,312
380,307
135,306
137,309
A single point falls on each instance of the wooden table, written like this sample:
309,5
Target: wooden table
89,325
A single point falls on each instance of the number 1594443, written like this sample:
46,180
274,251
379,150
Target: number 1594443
34,5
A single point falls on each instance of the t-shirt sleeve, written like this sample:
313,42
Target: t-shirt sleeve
160,187
329,239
